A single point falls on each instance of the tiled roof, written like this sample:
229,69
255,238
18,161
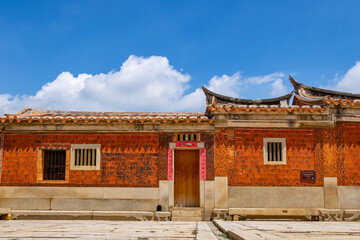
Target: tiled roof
263,108
343,102
40,115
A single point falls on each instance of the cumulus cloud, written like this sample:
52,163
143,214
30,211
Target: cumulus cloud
350,82
141,84
234,85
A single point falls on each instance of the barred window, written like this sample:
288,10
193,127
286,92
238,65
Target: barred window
85,157
274,151
54,164
187,137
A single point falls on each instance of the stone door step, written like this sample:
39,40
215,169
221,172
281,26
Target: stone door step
196,213
186,219
187,214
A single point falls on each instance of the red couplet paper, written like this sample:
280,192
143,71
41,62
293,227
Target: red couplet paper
170,164
203,164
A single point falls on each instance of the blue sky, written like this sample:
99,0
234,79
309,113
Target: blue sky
141,49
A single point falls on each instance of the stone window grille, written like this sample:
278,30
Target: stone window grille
274,151
85,157
187,137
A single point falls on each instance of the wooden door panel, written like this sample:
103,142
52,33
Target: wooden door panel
179,179
186,178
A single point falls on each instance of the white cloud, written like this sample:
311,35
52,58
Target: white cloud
236,84
227,85
141,84
350,82
278,88
266,78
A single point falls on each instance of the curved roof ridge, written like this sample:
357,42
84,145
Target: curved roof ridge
316,92
226,99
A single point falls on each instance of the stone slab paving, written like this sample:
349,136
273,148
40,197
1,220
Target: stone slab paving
293,230
86,229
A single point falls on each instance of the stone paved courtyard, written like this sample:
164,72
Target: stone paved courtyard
67,229
293,230
253,230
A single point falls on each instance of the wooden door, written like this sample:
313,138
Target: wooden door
186,178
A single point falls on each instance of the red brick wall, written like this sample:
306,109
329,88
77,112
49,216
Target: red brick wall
127,160
241,156
331,152
351,133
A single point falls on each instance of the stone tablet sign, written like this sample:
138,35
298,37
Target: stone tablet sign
308,175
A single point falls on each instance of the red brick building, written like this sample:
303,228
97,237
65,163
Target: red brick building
296,152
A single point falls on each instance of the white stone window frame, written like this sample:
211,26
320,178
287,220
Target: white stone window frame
85,146
283,151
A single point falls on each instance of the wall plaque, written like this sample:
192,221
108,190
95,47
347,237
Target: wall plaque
186,144
308,175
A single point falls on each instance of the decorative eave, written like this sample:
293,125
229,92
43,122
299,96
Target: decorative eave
317,93
215,98
263,108
41,116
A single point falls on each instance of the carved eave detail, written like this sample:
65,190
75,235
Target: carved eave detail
275,119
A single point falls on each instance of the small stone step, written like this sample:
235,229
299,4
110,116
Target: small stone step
186,214
186,219
4,211
196,213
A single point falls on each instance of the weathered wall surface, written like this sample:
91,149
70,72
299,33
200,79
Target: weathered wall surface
349,197
79,198
331,152
351,132
239,155
127,159
276,197
337,153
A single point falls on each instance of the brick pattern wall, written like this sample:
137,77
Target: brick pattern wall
224,152
126,159
1,152
164,140
241,157
331,152
351,157
208,139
